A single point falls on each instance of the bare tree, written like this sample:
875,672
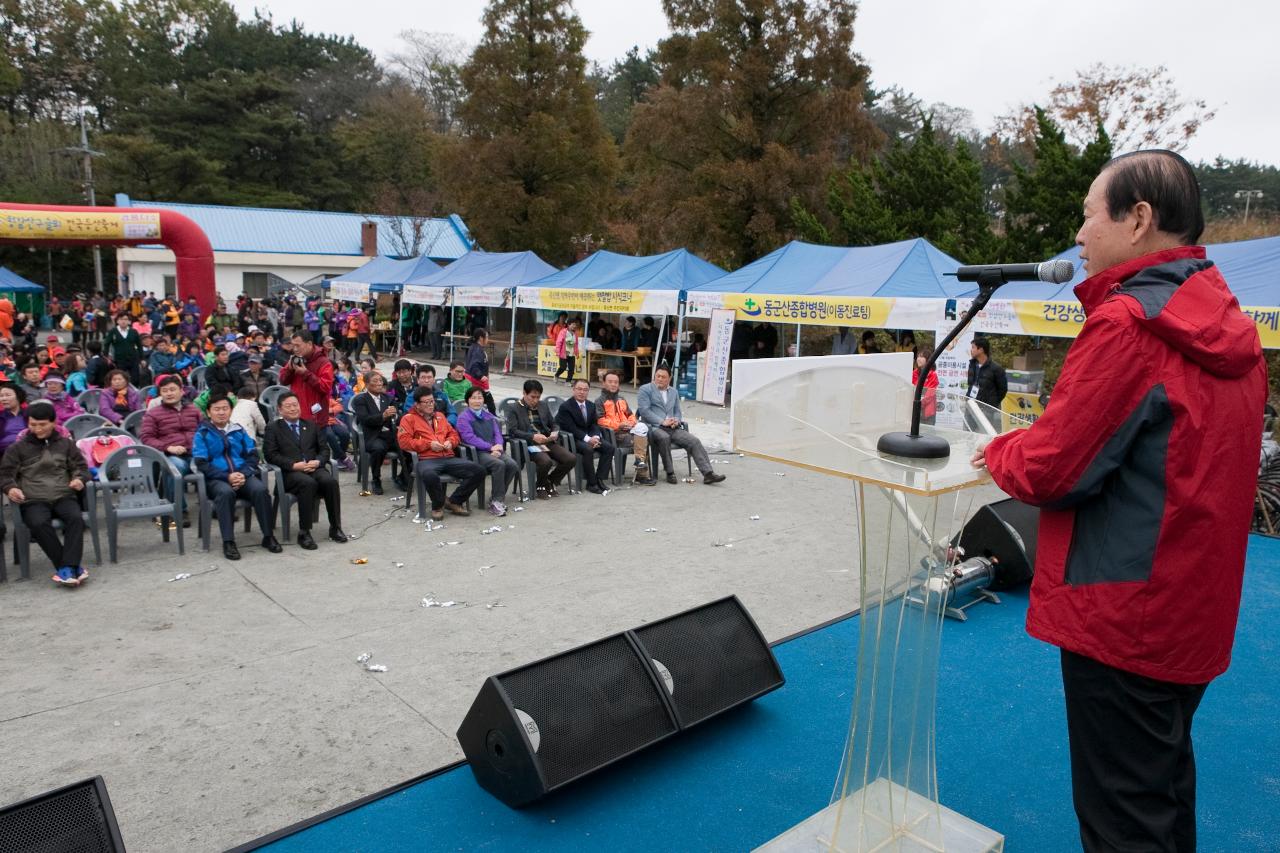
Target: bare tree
1138,107
431,63
411,218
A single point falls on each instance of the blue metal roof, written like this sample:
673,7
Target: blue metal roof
910,268
308,232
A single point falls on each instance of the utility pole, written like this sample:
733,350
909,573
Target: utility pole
88,154
1248,195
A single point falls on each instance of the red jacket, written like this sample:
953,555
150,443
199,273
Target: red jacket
1145,464
416,434
312,387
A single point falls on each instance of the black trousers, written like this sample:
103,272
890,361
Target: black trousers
553,465
306,487
599,474
1133,771
379,445
39,516
469,474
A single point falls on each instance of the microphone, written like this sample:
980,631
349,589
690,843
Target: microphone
1054,272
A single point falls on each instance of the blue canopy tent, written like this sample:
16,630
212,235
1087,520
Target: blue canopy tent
909,276
27,295
610,282
1251,268
477,278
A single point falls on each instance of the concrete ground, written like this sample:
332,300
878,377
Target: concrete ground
230,704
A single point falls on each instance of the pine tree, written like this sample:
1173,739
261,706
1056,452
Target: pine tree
536,166
1043,205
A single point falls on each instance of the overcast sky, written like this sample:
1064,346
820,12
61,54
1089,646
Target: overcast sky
983,55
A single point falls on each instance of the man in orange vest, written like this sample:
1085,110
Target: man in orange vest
628,432
428,433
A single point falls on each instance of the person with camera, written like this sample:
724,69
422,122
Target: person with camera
309,375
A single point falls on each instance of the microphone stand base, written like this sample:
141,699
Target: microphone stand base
913,446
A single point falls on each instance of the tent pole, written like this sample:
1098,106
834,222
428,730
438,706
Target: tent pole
400,350
680,312
511,344
797,339
662,339
453,308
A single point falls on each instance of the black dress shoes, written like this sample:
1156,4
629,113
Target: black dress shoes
336,534
377,487
230,551
305,542
269,542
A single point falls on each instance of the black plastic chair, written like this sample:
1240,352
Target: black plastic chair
132,423
282,501
22,534
416,486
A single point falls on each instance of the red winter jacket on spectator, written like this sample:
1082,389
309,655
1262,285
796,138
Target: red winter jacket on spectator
1145,464
313,387
164,426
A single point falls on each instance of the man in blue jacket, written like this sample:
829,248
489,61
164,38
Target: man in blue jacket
227,457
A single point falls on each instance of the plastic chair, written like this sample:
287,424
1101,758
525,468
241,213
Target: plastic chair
271,395
654,462
283,501
132,423
110,430
518,449
81,425
4,533
130,480
206,505
196,378
22,533
360,451
89,400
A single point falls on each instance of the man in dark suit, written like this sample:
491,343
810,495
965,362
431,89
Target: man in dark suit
376,413
529,419
293,445
578,418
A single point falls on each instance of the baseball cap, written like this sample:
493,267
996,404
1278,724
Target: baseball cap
255,358
52,339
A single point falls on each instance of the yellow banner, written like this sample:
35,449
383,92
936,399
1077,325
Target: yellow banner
872,311
1065,319
601,301
66,225
548,362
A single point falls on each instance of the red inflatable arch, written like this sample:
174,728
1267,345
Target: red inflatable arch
50,225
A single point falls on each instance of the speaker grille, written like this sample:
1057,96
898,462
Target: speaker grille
715,656
592,706
68,821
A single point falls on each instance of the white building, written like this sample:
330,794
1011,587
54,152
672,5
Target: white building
251,245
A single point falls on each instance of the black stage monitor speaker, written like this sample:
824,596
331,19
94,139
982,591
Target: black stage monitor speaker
1004,532
74,819
535,729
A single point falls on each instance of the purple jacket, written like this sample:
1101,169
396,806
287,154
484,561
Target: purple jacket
107,399
467,429
163,426
11,426
65,407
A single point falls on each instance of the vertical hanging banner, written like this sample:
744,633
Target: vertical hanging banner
953,375
715,361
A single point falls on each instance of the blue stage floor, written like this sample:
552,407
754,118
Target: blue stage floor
738,781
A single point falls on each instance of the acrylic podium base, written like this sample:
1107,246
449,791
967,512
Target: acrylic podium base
884,817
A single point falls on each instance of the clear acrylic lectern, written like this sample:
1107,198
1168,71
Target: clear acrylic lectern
826,414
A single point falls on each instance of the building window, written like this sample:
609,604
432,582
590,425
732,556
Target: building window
255,284
171,285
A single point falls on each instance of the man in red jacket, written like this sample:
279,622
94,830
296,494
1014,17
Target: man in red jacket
309,375
1145,466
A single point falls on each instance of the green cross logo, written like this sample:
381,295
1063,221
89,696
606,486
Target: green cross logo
749,304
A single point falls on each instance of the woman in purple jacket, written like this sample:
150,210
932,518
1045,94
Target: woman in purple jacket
478,428
13,415
117,400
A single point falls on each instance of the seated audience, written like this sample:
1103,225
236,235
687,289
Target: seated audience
578,417
170,426
530,420
401,386
429,434
427,379
13,414
628,433
228,459
43,474
456,384
255,377
31,382
64,405
163,359
220,372
293,445
118,399
247,413
375,416
658,405
479,428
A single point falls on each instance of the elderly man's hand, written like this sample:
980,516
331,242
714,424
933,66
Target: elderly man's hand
979,459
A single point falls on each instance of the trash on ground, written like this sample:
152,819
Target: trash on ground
481,570
497,528
651,530
364,658
180,577
395,499
779,473
359,561
755,518
519,508
397,564
494,604
376,667
365,494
